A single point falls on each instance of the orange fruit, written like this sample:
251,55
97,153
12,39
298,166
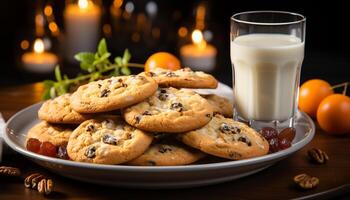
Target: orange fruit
311,94
333,114
163,60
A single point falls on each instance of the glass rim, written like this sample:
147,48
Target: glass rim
302,17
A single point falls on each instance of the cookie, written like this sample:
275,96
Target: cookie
170,110
220,104
183,78
58,135
226,138
59,110
112,93
167,152
107,140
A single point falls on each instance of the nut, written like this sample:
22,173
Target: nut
305,181
9,171
318,156
45,186
32,180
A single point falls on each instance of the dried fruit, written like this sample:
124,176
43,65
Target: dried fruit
90,128
110,139
90,152
268,133
9,171
163,149
288,134
62,153
274,146
245,140
48,149
317,156
283,144
33,145
105,93
177,106
305,181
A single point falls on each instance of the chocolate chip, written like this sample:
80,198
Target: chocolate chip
120,80
208,115
99,85
151,74
163,149
124,85
162,91
177,106
147,113
109,139
105,93
90,128
129,136
138,119
90,152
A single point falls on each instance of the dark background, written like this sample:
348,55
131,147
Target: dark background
327,35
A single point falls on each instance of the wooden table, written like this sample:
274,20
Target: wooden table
272,183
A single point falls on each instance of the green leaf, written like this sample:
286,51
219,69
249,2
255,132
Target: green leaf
95,76
118,61
102,47
58,73
87,67
85,57
127,55
103,58
125,70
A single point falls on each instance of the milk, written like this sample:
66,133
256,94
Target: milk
266,75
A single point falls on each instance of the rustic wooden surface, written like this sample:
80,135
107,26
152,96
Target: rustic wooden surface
272,183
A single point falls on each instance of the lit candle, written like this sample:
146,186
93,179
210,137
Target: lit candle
39,61
199,55
82,22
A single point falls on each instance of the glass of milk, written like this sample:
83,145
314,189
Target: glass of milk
267,51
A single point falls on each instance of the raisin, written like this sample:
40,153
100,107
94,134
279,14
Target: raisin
90,152
162,91
124,85
245,140
177,106
162,96
268,133
90,128
274,146
163,149
105,93
208,115
109,139
147,113
120,80
138,119
224,128
62,153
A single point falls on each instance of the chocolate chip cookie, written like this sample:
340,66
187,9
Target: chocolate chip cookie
112,93
107,140
226,138
170,110
59,110
220,104
167,152
58,135
183,78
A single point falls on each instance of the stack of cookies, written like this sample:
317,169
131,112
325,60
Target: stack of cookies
152,118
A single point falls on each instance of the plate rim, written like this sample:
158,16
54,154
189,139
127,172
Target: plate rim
184,168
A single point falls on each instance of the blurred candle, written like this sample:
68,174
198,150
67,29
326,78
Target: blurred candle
39,61
82,22
199,55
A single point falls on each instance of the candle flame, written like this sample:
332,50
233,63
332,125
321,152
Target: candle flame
38,46
83,4
197,38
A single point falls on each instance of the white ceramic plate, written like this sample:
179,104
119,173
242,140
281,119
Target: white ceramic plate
153,176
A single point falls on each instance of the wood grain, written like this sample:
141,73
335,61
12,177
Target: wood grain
273,183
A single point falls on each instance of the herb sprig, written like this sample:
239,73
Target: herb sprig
97,65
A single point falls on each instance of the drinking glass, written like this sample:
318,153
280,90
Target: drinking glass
267,50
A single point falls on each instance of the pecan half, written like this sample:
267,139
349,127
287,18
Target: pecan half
317,156
45,186
39,182
305,181
32,180
9,171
